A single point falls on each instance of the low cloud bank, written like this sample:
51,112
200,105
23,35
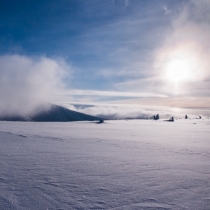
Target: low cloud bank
134,112
25,83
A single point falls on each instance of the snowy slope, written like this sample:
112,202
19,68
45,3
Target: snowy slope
139,164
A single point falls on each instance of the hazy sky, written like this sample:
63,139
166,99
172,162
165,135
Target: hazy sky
152,52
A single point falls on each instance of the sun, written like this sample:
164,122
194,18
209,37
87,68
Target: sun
178,70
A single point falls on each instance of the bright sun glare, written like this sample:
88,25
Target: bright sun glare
178,71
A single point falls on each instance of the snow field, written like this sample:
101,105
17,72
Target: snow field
135,164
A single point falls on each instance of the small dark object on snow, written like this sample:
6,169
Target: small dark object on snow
101,121
171,119
186,117
156,117
200,117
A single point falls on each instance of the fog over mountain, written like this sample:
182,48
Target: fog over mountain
27,82
50,113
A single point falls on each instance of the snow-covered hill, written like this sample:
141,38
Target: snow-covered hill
53,113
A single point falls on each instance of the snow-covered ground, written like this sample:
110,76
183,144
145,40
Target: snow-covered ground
135,164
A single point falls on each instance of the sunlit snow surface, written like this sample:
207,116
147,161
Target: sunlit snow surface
136,164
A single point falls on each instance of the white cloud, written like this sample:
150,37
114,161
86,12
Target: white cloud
124,2
167,11
113,93
27,82
127,2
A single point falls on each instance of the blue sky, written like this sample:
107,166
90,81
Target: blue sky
114,51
